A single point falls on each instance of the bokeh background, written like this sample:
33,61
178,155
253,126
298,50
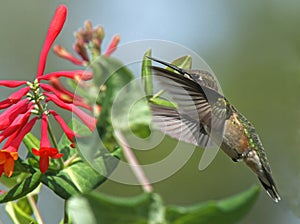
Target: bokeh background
253,48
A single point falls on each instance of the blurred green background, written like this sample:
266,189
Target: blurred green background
252,46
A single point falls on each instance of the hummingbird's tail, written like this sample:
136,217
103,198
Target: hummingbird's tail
268,183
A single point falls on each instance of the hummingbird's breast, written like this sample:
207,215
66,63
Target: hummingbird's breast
235,141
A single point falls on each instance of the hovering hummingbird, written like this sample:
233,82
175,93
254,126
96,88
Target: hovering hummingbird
203,115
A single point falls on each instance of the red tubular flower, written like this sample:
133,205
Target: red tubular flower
17,96
14,141
55,27
76,74
19,123
8,116
45,152
89,121
9,152
5,104
58,86
68,131
63,53
65,97
14,98
112,46
12,83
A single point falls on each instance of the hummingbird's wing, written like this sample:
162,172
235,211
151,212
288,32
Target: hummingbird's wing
203,78
179,126
197,103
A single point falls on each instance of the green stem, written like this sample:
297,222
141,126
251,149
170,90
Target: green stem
35,209
66,217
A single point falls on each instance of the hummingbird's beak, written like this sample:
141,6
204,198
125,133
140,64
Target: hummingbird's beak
181,71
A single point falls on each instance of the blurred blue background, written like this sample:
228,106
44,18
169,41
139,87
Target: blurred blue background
252,46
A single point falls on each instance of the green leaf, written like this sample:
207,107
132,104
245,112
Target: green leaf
184,62
99,208
123,102
17,214
147,74
162,102
226,211
79,177
23,188
31,141
24,204
148,208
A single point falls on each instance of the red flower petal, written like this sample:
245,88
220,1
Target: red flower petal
89,121
17,96
12,83
13,144
76,74
18,123
112,46
35,152
45,143
64,97
8,116
54,29
57,85
63,53
44,163
5,104
45,154
68,131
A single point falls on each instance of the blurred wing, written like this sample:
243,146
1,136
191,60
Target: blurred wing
178,126
196,103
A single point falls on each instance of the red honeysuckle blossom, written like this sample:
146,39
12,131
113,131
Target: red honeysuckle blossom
30,100
9,153
46,151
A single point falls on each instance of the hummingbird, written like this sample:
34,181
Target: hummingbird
203,116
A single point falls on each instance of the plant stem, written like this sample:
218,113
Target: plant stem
66,217
35,209
133,162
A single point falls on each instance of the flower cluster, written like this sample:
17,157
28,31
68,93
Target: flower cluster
30,103
87,38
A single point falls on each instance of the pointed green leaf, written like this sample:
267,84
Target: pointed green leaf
162,102
98,208
79,177
31,141
184,62
226,211
23,188
147,74
17,214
